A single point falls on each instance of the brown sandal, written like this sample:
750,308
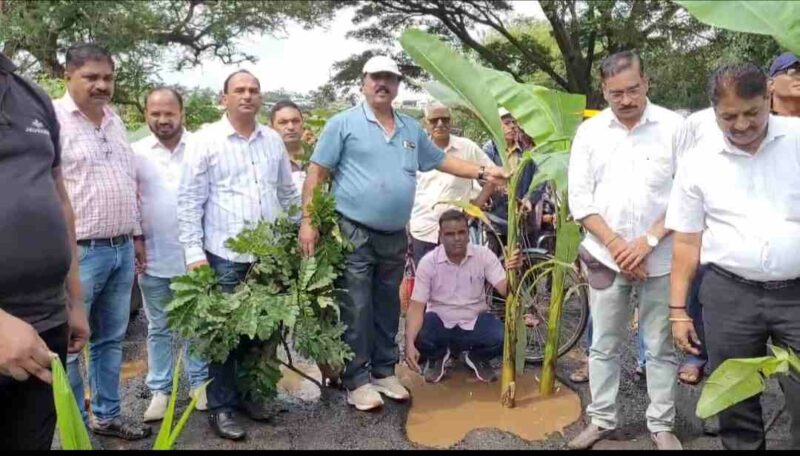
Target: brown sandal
690,374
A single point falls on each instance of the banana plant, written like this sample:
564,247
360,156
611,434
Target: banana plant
738,379
550,118
168,434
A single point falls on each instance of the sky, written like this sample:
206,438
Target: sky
299,61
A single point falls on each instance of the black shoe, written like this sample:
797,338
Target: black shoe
226,426
258,410
123,428
435,369
482,368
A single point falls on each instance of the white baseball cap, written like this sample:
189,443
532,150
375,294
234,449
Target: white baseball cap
503,112
381,63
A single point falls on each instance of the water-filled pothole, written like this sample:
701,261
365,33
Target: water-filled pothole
442,414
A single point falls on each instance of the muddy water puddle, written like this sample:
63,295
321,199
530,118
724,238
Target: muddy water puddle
442,414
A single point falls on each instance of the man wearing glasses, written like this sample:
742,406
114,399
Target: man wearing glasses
620,177
784,85
100,177
435,186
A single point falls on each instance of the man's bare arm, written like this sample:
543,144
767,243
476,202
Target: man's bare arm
685,258
308,235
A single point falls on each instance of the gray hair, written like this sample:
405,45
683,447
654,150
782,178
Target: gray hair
434,105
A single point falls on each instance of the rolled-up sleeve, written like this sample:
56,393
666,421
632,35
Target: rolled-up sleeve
685,213
422,279
192,197
581,181
328,150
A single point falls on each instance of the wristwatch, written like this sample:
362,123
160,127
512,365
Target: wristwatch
652,240
481,173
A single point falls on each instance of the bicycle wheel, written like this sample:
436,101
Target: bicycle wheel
535,304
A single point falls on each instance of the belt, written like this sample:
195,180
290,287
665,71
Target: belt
768,285
107,242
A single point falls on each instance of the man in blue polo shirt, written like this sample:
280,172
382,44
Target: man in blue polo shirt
372,155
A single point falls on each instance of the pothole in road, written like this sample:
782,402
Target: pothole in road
442,414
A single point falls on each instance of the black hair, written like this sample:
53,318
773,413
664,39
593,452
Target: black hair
228,79
452,215
746,80
619,62
283,104
171,90
79,54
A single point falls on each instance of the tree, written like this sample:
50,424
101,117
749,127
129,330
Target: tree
583,31
144,36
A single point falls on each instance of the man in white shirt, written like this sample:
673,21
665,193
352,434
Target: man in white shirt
435,186
735,208
159,158
620,177
286,118
235,173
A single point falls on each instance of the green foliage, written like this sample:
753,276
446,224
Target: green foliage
283,294
167,434
201,108
71,430
779,19
738,379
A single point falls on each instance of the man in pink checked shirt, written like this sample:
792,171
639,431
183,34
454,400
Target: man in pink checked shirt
100,177
451,282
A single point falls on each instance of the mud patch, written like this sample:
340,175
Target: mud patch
442,414
132,369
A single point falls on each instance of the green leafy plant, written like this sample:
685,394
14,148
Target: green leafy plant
167,434
71,429
780,19
551,118
738,379
283,297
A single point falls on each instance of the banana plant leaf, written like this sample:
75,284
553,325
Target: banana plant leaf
71,429
781,19
469,209
552,167
734,381
167,435
456,73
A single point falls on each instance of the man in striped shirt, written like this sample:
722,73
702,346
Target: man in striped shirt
235,173
100,177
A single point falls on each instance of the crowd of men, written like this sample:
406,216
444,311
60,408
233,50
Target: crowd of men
699,246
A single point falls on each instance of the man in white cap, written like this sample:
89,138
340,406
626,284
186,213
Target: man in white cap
372,154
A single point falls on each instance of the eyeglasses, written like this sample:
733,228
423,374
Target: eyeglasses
436,120
792,72
104,145
617,95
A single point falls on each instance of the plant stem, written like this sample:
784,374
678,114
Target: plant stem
508,374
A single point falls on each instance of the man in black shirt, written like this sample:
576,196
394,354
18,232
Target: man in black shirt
37,241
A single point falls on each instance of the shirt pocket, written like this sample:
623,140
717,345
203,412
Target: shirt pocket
793,206
409,157
657,167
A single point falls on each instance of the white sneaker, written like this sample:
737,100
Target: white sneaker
157,408
364,398
391,388
202,401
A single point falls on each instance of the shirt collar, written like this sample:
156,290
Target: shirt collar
6,64
156,144
441,255
228,130
775,130
370,115
647,116
72,107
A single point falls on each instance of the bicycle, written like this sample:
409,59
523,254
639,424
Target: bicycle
534,296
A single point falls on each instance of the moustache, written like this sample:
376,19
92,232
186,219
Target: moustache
382,89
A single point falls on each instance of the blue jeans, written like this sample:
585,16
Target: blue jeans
223,393
484,341
106,281
157,295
